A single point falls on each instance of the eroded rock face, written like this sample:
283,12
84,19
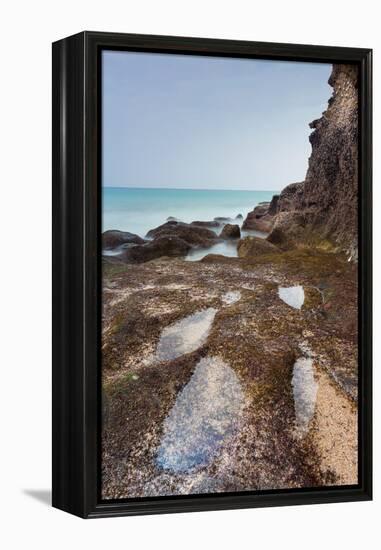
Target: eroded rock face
327,199
254,246
191,234
230,231
113,238
289,198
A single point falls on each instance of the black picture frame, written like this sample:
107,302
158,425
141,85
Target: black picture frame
76,273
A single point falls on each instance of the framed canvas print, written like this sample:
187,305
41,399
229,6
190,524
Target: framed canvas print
212,274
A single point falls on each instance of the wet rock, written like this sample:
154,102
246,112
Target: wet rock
206,223
254,246
218,259
259,219
313,298
162,246
191,234
222,219
239,217
114,238
230,231
259,337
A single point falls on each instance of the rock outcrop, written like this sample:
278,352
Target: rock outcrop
260,218
211,223
113,238
192,234
162,246
326,202
230,231
250,247
324,206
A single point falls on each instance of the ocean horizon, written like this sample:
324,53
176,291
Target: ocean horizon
139,209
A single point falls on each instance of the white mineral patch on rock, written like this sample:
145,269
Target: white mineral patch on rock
203,417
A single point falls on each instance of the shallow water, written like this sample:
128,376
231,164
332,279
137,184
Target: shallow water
203,417
292,295
226,248
112,251
231,297
185,335
140,209
305,391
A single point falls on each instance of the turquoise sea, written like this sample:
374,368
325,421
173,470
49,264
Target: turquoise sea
140,209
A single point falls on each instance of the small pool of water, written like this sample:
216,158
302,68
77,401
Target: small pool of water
112,251
203,417
292,295
231,297
305,391
185,335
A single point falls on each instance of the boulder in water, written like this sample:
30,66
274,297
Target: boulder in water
212,223
230,231
191,234
162,246
114,238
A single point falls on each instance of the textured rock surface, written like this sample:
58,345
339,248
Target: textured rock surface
162,246
259,219
327,199
114,238
192,234
259,337
254,246
230,231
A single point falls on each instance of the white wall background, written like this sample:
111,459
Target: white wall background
27,29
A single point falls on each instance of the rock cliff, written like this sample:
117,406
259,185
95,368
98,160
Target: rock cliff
324,206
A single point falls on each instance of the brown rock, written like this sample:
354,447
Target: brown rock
113,238
254,246
328,197
193,235
289,228
230,231
212,223
162,246
290,197
259,219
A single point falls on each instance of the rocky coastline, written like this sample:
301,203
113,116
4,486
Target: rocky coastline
262,332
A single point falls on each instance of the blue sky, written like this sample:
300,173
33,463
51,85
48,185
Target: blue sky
183,121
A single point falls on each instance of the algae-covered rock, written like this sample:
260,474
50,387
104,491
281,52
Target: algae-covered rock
254,246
